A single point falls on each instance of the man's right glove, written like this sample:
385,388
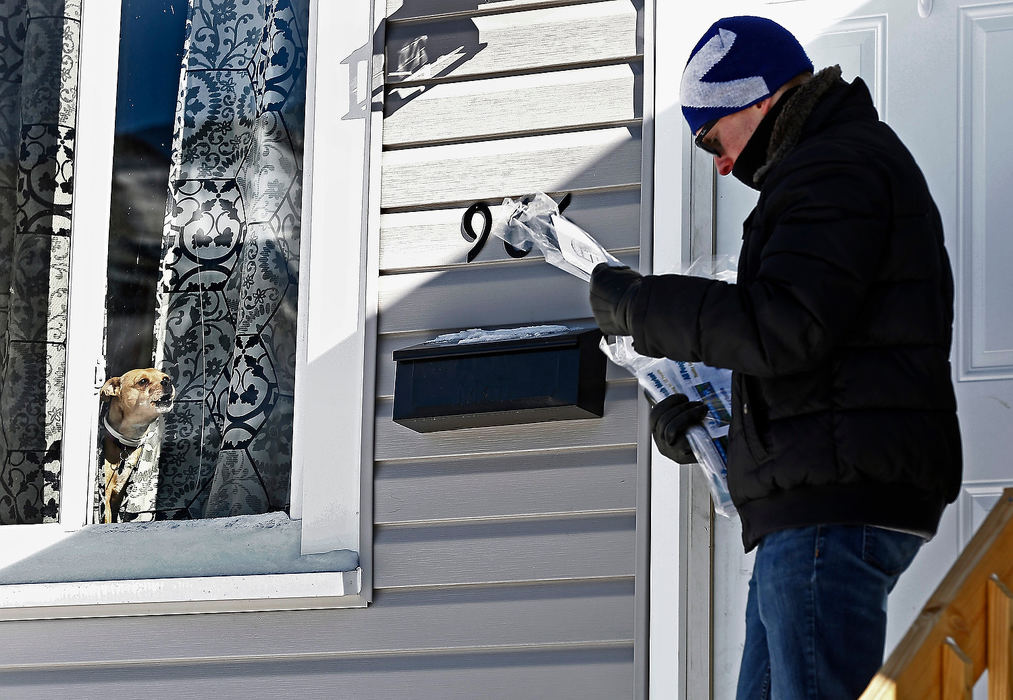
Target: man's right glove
670,420
611,293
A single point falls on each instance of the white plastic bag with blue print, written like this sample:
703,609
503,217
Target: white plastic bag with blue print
662,377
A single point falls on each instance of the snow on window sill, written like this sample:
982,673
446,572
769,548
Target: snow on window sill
168,567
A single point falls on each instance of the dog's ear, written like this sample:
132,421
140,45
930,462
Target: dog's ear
110,389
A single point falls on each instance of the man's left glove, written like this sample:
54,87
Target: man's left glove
669,422
612,292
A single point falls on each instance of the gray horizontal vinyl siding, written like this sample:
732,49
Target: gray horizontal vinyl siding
534,97
504,559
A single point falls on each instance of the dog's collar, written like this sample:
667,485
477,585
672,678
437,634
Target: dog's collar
118,436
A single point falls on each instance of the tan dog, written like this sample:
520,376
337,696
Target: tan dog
136,400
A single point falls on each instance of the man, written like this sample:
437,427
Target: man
844,445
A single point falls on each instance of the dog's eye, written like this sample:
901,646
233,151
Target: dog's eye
143,381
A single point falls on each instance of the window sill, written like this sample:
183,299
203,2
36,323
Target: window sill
176,596
222,565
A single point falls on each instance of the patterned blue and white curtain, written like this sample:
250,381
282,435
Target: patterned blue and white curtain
39,42
226,303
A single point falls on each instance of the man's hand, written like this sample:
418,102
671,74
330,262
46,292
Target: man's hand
670,420
612,290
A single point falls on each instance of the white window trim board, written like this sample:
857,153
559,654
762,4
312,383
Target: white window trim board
680,515
330,489
85,370
336,356
169,596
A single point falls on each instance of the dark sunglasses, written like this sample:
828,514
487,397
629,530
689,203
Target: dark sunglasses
701,144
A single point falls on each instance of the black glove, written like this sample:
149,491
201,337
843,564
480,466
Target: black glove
670,420
612,292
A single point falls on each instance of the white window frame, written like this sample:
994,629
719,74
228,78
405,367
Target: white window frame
333,423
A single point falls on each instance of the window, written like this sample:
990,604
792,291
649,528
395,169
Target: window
212,292
257,316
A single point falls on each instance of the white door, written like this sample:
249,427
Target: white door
939,73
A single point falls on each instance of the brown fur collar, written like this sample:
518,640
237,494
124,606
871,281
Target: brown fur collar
798,106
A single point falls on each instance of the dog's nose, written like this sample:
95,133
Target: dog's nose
166,383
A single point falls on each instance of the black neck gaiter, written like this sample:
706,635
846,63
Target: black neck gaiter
755,154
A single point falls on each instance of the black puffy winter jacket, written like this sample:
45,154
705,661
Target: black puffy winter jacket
838,328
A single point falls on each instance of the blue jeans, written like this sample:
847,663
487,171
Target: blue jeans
816,612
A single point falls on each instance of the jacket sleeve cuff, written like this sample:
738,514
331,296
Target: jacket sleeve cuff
663,317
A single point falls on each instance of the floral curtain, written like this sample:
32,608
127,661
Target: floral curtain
226,303
39,42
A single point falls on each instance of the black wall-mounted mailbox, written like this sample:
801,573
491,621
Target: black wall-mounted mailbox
500,377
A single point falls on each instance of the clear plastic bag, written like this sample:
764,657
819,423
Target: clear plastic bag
535,223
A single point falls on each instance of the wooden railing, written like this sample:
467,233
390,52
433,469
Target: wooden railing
964,628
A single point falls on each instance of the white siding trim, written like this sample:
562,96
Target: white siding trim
642,595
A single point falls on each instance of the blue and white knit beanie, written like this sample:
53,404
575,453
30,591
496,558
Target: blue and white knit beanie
738,62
